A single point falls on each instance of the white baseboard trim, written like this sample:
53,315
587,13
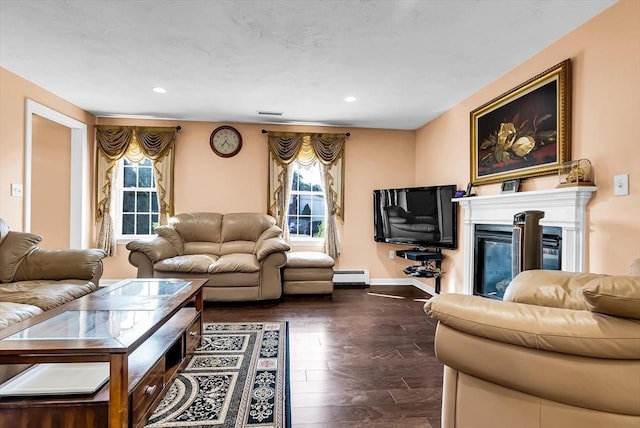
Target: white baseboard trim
404,281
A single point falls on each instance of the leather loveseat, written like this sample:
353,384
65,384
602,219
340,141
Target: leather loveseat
34,280
240,254
561,350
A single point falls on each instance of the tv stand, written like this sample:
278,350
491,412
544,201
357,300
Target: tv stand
430,263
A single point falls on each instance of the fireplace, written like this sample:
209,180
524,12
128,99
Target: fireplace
493,257
564,208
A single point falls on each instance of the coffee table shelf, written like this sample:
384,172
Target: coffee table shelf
144,354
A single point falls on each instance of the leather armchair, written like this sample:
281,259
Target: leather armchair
561,350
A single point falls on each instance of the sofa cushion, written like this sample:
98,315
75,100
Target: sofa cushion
552,288
15,246
200,247
309,259
614,295
45,294
232,247
245,226
245,263
60,264
192,263
12,313
198,226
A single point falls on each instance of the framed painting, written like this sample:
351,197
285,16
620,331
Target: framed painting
524,132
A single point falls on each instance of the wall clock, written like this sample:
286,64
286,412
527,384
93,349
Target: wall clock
225,141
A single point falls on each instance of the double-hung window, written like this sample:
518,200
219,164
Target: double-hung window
137,213
306,214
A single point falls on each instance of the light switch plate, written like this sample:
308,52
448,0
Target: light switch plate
621,185
16,189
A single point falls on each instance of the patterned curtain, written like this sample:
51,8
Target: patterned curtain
134,143
328,149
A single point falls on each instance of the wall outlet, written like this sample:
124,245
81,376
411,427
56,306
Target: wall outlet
392,254
621,185
16,190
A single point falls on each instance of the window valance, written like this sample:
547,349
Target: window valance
306,147
115,141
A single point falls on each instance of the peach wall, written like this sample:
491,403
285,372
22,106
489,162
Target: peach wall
51,182
206,182
15,91
605,55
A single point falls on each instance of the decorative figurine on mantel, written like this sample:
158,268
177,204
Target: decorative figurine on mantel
575,173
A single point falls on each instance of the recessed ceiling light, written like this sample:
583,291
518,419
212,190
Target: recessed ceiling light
159,90
350,99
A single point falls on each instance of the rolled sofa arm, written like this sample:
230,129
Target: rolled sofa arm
155,249
61,264
576,332
269,246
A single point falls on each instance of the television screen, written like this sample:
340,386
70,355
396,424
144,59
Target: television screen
421,216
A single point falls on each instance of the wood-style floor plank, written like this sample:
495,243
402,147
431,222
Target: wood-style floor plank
363,357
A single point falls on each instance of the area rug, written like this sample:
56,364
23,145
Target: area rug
237,378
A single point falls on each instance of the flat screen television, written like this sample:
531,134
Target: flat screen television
420,216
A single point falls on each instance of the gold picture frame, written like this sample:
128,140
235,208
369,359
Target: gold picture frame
524,132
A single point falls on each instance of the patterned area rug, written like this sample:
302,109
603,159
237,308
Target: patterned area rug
237,378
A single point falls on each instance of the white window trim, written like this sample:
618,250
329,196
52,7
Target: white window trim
306,241
116,208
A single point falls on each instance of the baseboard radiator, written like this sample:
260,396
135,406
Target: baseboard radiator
351,277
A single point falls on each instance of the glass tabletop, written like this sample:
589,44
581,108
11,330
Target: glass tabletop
149,287
85,325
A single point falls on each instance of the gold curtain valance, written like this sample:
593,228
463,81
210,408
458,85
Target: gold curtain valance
115,141
288,146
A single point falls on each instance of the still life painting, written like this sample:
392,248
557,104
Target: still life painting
525,132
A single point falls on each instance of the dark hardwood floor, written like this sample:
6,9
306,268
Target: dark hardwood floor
361,358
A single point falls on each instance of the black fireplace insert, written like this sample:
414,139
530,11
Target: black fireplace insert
493,252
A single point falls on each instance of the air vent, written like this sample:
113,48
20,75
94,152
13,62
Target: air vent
270,113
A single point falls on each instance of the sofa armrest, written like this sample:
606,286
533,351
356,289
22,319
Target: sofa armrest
155,249
576,332
269,246
61,264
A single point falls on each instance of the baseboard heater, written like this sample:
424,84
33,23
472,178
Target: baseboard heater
351,277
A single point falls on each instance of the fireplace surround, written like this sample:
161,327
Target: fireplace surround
565,208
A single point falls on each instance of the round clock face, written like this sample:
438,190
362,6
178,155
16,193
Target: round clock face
225,141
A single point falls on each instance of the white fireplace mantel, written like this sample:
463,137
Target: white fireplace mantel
564,207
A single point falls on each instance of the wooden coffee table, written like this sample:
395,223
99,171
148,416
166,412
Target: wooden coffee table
143,328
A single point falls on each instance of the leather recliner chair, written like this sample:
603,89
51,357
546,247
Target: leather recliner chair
561,350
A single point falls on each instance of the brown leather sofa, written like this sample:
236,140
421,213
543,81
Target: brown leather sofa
34,280
562,350
240,254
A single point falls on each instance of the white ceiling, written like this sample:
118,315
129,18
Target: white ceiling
223,61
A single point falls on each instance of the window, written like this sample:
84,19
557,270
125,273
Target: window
137,211
306,216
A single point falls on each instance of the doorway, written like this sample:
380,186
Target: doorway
78,191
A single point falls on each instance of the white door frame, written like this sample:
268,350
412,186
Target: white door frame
79,210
